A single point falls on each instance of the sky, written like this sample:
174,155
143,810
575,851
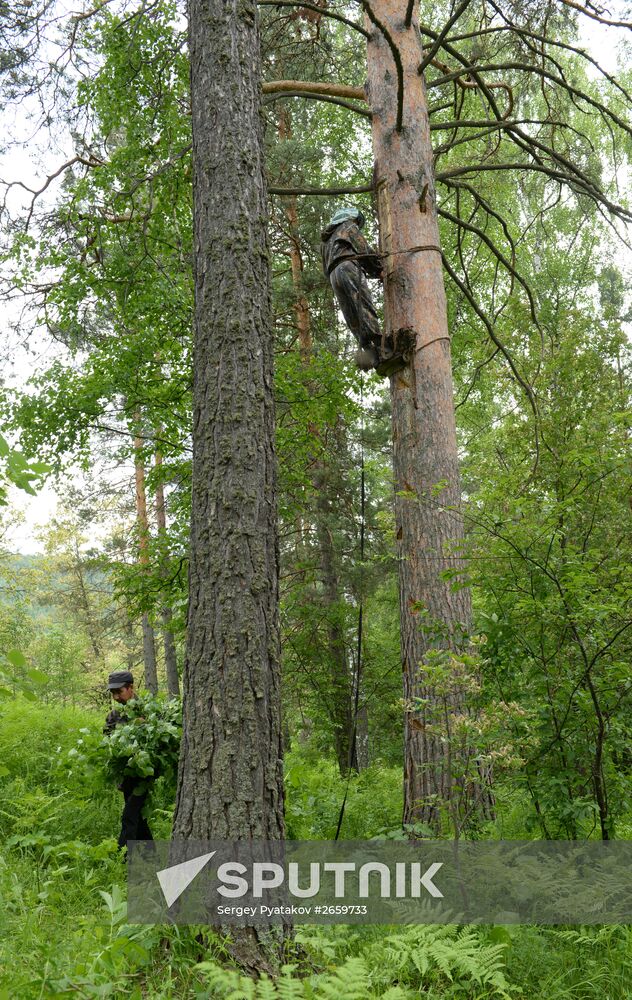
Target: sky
20,359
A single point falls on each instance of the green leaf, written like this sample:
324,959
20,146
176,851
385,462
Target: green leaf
37,676
16,657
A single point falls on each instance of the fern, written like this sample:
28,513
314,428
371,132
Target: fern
399,993
350,981
289,988
397,967
227,983
266,989
428,952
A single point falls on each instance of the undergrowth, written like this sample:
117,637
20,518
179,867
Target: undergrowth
63,922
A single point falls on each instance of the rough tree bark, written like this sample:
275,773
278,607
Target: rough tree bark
171,661
425,460
230,783
149,646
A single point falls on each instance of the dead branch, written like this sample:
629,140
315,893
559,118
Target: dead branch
528,35
455,76
317,97
324,11
503,350
363,189
87,162
541,168
595,15
508,265
313,87
559,81
436,45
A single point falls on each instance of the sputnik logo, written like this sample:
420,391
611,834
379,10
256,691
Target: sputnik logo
266,875
174,880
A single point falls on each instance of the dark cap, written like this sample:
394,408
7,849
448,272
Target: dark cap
119,679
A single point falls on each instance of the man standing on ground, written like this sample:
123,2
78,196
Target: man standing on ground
133,823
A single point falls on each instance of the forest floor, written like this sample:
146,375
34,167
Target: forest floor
63,928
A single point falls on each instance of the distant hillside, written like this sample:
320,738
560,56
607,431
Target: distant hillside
30,576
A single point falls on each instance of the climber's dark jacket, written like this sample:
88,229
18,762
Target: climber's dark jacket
347,257
346,242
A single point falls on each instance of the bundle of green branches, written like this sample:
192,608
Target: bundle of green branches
146,743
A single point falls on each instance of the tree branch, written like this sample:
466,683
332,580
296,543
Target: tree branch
477,231
317,97
501,347
363,189
529,35
597,16
541,168
436,45
319,10
545,74
455,75
313,87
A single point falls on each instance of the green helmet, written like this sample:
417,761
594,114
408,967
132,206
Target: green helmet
348,212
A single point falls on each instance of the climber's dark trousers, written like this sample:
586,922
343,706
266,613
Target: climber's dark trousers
354,299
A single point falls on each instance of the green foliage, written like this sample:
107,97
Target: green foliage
42,791
146,744
550,530
17,470
64,908
18,676
396,969
315,792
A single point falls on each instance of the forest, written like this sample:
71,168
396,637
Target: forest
383,602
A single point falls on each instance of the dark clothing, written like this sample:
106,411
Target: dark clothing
344,242
347,257
133,823
354,298
112,720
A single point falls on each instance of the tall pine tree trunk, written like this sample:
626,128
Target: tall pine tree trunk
171,661
142,525
425,460
230,783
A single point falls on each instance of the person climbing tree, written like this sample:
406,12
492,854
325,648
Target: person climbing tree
347,257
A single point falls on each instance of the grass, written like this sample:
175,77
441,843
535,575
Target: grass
63,930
